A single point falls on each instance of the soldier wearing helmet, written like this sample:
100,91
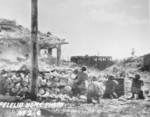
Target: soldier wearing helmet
79,86
110,86
136,87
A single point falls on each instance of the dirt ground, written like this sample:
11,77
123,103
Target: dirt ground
111,108
106,108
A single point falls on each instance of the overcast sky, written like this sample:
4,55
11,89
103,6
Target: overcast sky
104,27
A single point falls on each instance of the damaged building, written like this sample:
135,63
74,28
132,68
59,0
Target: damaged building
100,62
15,37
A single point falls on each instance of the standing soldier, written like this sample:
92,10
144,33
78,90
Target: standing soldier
79,86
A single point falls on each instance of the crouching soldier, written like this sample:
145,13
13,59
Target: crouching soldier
110,86
94,91
136,87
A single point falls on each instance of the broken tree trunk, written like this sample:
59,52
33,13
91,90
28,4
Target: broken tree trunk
34,49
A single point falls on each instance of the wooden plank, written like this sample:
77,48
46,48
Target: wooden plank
34,49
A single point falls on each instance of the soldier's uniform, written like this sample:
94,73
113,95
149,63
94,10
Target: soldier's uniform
95,90
110,86
136,87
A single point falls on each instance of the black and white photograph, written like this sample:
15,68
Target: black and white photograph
74,58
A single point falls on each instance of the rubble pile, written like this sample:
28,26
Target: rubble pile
16,83
54,83
13,34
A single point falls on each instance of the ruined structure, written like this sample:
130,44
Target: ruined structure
100,62
50,42
18,37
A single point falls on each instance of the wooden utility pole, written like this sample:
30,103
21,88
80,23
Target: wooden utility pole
34,48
